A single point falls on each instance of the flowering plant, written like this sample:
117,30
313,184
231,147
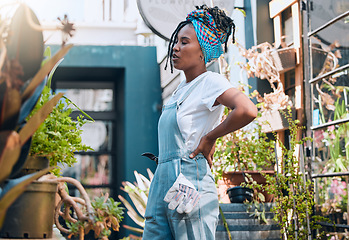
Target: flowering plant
245,149
262,64
334,196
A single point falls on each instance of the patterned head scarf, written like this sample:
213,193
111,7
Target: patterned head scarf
209,35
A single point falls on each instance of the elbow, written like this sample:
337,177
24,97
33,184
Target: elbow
251,112
254,112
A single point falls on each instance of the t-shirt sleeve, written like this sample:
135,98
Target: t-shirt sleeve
215,85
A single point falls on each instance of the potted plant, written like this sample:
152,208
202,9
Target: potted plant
292,190
56,139
240,157
331,143
81,218
59,137
21,82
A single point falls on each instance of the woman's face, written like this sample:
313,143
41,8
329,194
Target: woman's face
187,52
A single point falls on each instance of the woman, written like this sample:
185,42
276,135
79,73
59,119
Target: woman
183,201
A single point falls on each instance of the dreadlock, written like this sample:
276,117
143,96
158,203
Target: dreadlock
173,42
222,21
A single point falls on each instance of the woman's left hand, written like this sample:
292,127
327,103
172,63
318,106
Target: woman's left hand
207,148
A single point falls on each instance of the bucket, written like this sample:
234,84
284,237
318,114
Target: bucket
240,194
31,215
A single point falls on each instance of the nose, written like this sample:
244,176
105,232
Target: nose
176,47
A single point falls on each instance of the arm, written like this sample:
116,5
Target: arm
243,112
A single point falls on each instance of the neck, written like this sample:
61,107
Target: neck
191,75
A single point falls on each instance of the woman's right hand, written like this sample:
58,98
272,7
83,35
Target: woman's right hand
207,148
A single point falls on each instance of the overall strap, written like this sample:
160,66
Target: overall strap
190,90
185,96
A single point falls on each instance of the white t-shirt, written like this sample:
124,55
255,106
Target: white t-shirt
197,116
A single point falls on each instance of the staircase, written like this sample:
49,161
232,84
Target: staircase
244,227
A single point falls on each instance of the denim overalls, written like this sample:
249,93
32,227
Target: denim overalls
162,223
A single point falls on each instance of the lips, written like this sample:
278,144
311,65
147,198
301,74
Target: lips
174,57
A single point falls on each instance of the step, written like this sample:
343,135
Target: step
243,226
244,215
241,207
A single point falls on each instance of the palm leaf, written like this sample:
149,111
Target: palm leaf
133,229
131,212
136,218
44,70
127,204
145,180
150,174
9,152
138,203
10,109
139,181
30,103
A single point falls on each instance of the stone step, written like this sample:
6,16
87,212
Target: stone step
243,226
251,228
244,215
251,221
241,207
250,235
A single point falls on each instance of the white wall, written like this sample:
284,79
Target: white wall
97,22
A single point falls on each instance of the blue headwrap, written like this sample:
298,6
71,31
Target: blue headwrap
210,37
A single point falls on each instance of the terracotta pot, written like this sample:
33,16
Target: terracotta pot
233,179
31,215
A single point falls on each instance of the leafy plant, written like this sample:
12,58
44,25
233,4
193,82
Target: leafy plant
100,215
138,193
245,149
59,137
249,144
293,193
336,139
107,214
261,63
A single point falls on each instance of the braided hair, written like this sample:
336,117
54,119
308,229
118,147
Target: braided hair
222,21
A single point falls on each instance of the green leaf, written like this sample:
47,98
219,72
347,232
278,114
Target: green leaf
86,115
47,55
38,118
225,223
263,216
261,197
49,79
